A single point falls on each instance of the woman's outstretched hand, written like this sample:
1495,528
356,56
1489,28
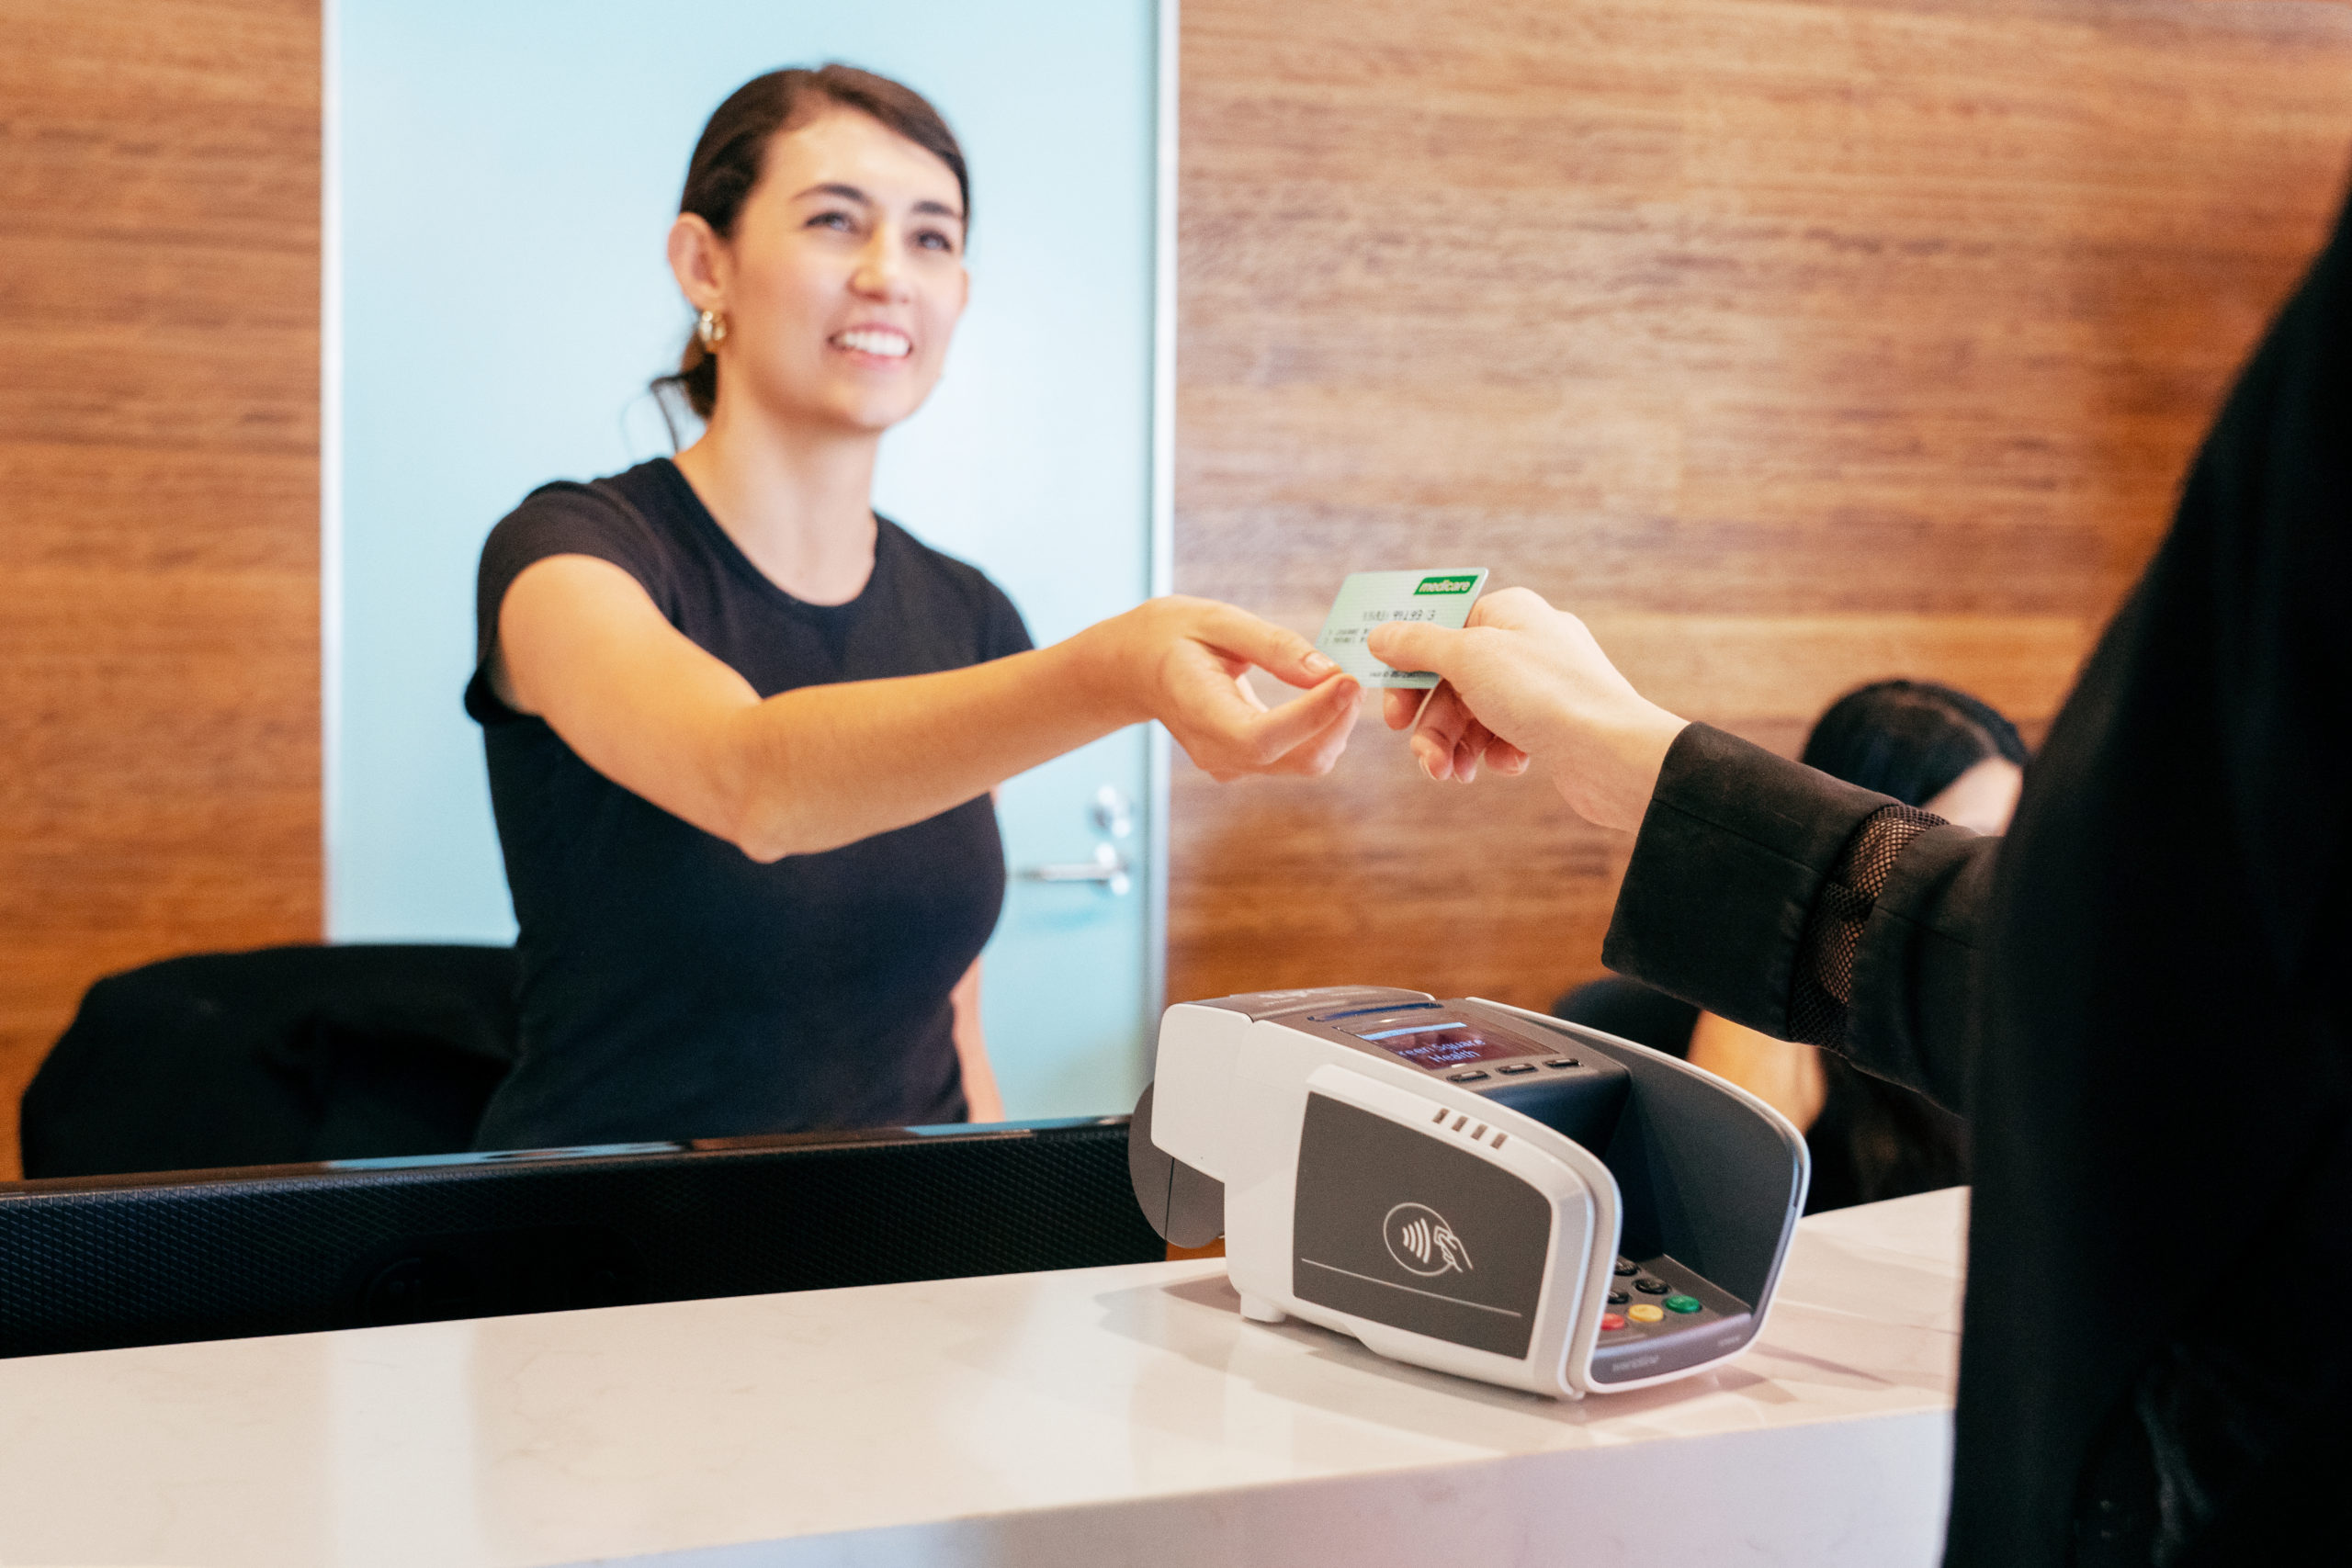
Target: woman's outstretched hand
1181,661
1524,681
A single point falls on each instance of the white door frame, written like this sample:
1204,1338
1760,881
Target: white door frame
1164,505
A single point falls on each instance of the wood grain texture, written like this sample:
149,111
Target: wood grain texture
159,436
1793,344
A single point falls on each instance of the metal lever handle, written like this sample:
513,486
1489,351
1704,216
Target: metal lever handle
1108,869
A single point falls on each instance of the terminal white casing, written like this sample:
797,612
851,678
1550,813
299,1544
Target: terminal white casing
1230,1099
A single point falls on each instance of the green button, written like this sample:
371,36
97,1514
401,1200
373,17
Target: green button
1682,1303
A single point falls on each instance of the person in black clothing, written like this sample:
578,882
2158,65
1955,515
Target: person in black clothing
741,731
2135,996
1955,756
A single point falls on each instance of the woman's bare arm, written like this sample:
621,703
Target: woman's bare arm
582,645
983,1100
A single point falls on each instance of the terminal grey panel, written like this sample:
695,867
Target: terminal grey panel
1411,1229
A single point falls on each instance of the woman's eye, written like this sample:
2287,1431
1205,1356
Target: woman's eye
840,221
933,239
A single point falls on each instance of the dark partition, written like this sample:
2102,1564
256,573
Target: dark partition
99,1263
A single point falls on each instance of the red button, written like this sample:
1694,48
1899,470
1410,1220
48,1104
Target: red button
1610,1320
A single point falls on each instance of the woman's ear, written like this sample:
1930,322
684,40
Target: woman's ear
698,260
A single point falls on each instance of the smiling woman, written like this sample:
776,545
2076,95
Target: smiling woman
741,730
909,161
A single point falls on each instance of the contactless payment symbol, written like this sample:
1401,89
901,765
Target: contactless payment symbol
1422,1242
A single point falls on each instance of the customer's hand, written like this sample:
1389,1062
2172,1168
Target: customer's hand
1181,661
1523,680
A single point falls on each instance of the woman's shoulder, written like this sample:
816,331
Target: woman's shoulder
949,584
613,519
927,563
616,517
623,503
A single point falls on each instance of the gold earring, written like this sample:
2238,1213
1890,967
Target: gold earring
710,327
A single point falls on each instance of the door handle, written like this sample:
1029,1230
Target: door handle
1108,870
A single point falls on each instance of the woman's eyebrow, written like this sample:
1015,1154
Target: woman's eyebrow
847,193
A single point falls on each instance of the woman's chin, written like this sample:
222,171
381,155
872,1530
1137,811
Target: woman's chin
871,415
838,416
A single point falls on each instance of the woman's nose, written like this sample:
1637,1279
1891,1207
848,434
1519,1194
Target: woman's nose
881,273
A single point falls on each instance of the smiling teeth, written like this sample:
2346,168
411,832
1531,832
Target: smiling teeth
888,345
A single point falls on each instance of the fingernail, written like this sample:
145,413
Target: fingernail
1318,663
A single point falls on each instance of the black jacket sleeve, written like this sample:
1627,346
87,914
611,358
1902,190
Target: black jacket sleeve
1807,908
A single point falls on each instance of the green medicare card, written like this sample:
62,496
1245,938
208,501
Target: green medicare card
1369,599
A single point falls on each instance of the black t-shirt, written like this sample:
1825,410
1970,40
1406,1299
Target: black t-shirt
674,988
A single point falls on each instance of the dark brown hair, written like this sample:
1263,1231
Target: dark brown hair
732,152
1909,738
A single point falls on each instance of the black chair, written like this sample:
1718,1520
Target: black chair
275,1057
1871,1140
1630,1010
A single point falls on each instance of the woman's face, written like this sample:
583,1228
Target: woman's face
844,280
1982,799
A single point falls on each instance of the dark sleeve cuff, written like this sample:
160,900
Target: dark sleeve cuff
1731,857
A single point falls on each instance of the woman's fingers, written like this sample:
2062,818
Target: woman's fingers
1224,728
1280,652
1208,704
1314,756
1272,735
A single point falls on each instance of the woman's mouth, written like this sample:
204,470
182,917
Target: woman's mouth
882,342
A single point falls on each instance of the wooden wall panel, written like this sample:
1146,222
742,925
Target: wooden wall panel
159,490
1793,344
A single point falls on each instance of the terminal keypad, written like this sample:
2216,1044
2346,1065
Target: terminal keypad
1657,1295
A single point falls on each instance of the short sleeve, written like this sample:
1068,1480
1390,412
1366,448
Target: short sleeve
1002,631
561,519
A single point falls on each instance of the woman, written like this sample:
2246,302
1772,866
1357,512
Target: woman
2136,996
1926,745
741,731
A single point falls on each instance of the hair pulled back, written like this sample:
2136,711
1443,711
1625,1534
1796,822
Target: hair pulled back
732,152
1909,738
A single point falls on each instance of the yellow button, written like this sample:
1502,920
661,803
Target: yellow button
1645,1312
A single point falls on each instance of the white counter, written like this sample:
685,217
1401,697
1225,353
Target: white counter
1098,1417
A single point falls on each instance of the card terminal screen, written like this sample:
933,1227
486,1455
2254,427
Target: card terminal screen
1444,1044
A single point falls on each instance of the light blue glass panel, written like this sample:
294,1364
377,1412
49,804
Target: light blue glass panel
503,177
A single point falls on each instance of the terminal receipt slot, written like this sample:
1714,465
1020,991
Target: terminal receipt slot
1468,1186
